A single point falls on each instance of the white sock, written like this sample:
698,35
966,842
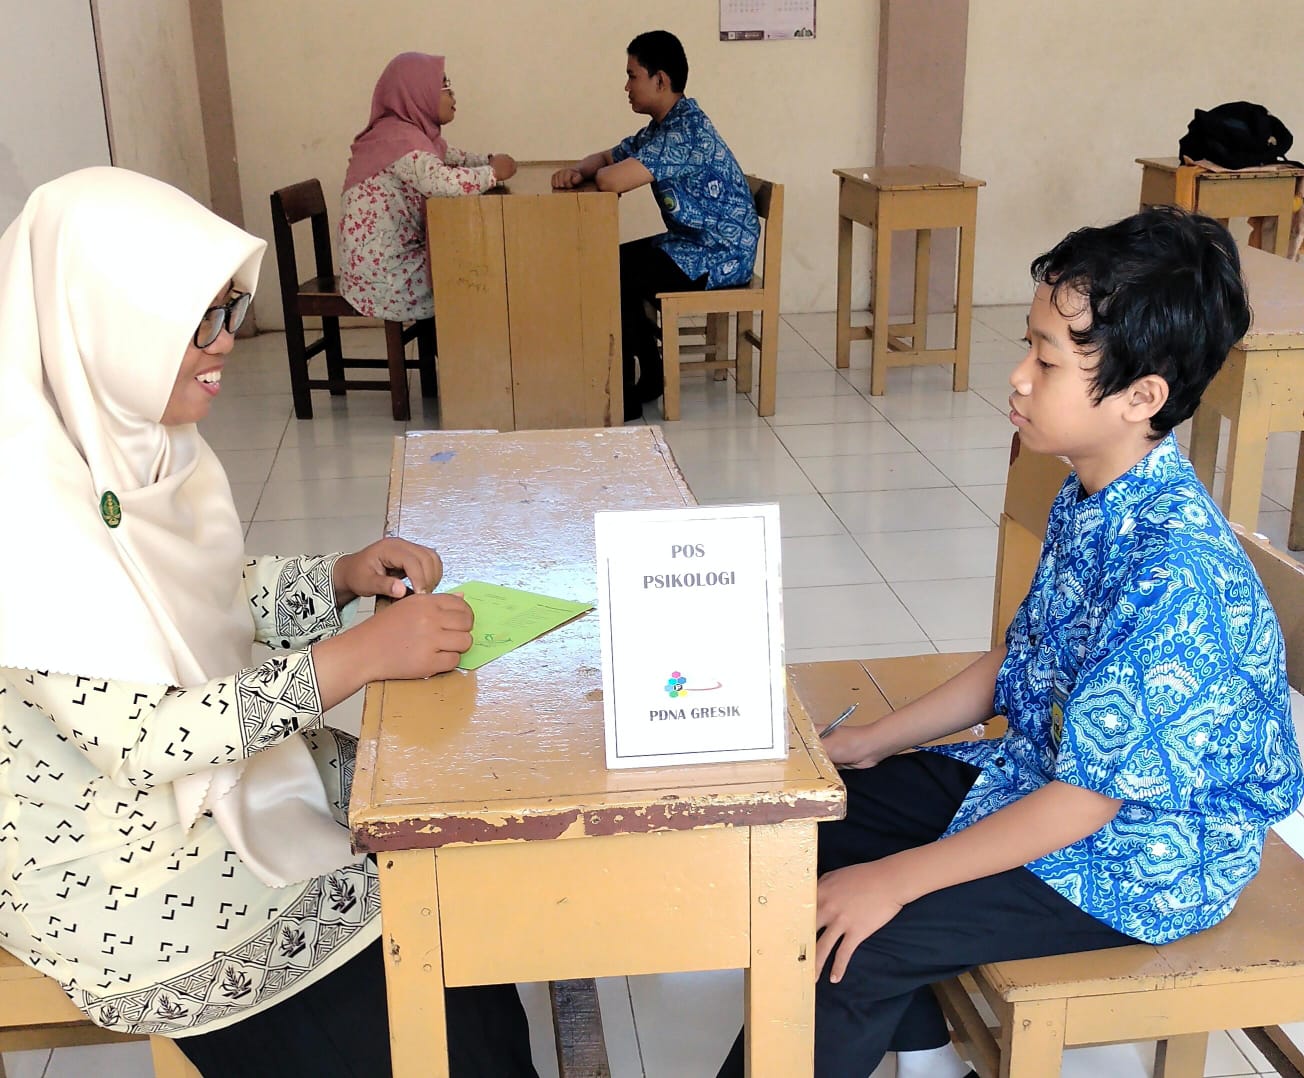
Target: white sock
931,1063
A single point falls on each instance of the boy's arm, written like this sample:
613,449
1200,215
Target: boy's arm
582,171
623,176
954,705
855,902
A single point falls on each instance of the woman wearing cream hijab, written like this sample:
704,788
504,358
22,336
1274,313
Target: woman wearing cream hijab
172,839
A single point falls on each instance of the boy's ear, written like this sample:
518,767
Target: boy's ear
1145,397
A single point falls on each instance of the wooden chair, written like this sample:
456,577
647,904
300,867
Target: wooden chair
1247,971
35,1014
320,297
762,295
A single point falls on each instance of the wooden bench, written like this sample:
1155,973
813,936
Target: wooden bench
1247,971
36,1014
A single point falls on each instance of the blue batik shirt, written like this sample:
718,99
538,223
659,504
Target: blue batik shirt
1146,664
703,196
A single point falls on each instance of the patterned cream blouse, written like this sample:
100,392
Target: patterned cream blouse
150,929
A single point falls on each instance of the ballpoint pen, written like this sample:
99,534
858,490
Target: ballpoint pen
838,721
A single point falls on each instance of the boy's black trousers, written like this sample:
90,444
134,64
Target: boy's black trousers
883,1002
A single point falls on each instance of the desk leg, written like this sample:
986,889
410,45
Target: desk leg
414,967
1295,540
1247,449
844,292
881,292
779,985
1205,427
1033,1039
964,300
923,262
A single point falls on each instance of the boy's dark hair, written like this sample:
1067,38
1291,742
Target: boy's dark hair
660,50
1166,298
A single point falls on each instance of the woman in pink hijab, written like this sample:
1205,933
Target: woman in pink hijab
398,161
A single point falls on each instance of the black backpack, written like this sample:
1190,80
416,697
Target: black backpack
1238,134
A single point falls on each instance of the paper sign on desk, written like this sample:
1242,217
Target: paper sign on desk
690,602
506,618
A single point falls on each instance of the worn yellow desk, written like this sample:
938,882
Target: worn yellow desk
527,303
1247,192
896,198
507,851
1260,389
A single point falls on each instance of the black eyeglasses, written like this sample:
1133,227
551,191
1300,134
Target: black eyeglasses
229,315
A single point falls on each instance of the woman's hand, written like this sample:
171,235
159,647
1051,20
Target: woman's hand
379,569
566,178
503,165
851,904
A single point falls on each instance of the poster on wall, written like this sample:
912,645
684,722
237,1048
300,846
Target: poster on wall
766,20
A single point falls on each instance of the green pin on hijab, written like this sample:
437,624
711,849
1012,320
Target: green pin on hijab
110,509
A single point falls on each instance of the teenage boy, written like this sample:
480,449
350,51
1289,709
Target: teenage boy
712,228
1150,740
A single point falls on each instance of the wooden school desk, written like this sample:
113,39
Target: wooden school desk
1260,389
900,198
1246,192
527,305
507,851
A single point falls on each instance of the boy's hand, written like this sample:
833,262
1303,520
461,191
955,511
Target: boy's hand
413,638
851,746
851,905
565,178
504,165
379,569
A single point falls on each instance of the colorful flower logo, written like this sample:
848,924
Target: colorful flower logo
675,685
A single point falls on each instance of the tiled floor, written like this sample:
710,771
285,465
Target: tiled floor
889,511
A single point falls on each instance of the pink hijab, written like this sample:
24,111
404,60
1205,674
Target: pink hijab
404,110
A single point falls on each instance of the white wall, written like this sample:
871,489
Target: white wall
149,79
51,111
1061,98
543,80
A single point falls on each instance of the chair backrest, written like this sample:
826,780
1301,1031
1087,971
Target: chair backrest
1283,579
1030,486
769,208
290,205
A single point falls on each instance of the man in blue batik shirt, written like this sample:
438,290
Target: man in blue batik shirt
711,222
1150,742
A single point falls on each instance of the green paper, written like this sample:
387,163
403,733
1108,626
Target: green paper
506,618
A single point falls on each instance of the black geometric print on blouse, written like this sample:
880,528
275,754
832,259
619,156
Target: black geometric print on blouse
294,942
275,699
305,600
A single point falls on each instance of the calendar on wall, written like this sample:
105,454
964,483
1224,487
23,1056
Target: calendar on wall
766,20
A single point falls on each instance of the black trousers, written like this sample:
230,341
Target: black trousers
339,1028
883,1002
645,270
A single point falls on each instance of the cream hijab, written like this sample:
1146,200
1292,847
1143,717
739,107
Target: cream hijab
103,278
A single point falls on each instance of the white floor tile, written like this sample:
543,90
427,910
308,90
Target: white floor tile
130,1060
945,554
842,439
246,465
324,498
322,536
26,1064
856,614
798,384
965,432
912,403
815,561
989,498
295,463
905,510
857,651
949,609
800,514
686,1021
972,467
851,408
875,471
724,443
246,497
762,480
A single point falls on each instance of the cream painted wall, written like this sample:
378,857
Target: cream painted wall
543,80
153,94
1061,98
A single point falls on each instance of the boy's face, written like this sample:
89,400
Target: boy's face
1052,405
642,89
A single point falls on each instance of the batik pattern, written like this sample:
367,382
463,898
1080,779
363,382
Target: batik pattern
702,194
1148,629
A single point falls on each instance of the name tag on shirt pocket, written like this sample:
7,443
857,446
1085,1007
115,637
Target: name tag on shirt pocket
1059,698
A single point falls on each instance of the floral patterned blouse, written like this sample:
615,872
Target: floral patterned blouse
150,928
383,267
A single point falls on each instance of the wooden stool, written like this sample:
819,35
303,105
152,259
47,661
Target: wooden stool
1245,192
1260,389
918,198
